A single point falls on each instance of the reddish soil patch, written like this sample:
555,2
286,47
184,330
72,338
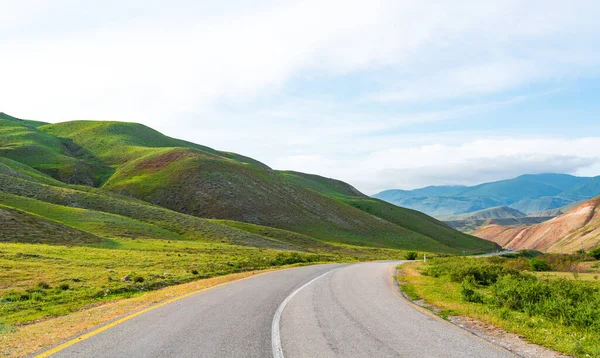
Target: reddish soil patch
162,161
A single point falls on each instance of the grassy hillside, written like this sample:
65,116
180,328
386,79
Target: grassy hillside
110,209
18,226
410,219
119,142
58,157
200,181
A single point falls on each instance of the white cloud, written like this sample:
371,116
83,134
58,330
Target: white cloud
472,161
204,71
158,62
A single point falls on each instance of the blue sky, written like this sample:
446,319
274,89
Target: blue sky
381,94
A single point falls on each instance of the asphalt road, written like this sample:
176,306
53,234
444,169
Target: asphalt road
314,311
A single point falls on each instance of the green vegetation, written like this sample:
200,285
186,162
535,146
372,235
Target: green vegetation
40,281
60,158
97,211
595,253
137,161
539,265
406,218
411,255
560,313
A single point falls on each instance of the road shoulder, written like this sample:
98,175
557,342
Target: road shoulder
489,332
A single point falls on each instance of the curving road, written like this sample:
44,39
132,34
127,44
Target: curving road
315,311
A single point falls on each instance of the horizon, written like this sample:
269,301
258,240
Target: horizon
381,95
468,186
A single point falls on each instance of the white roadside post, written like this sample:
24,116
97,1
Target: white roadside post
424,257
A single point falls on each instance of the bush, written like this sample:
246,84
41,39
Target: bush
138,279
595,253
64,286
467,290
516,293
539,265
457,269
194,272
411,255
570,303
43,285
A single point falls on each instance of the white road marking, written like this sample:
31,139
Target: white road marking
275,333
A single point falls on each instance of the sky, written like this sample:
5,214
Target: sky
381,94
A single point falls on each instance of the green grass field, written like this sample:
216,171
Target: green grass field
40,281
555,310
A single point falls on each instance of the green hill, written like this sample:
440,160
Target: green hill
140,183
60,158
410,219
18,226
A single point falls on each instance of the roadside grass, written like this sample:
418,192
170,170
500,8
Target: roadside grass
38,281
24,340
537,309
51,292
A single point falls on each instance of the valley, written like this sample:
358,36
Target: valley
92,212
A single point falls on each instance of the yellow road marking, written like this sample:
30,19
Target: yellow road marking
103,328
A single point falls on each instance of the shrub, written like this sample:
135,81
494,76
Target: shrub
539,265
64,286
468,292
595,253
457,269
516,293
43,285
138,279
194,272
411,255
570,303
36,296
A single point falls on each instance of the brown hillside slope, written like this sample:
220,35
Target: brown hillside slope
578,228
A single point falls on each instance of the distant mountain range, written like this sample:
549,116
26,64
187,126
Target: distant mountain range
529,194
501,215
